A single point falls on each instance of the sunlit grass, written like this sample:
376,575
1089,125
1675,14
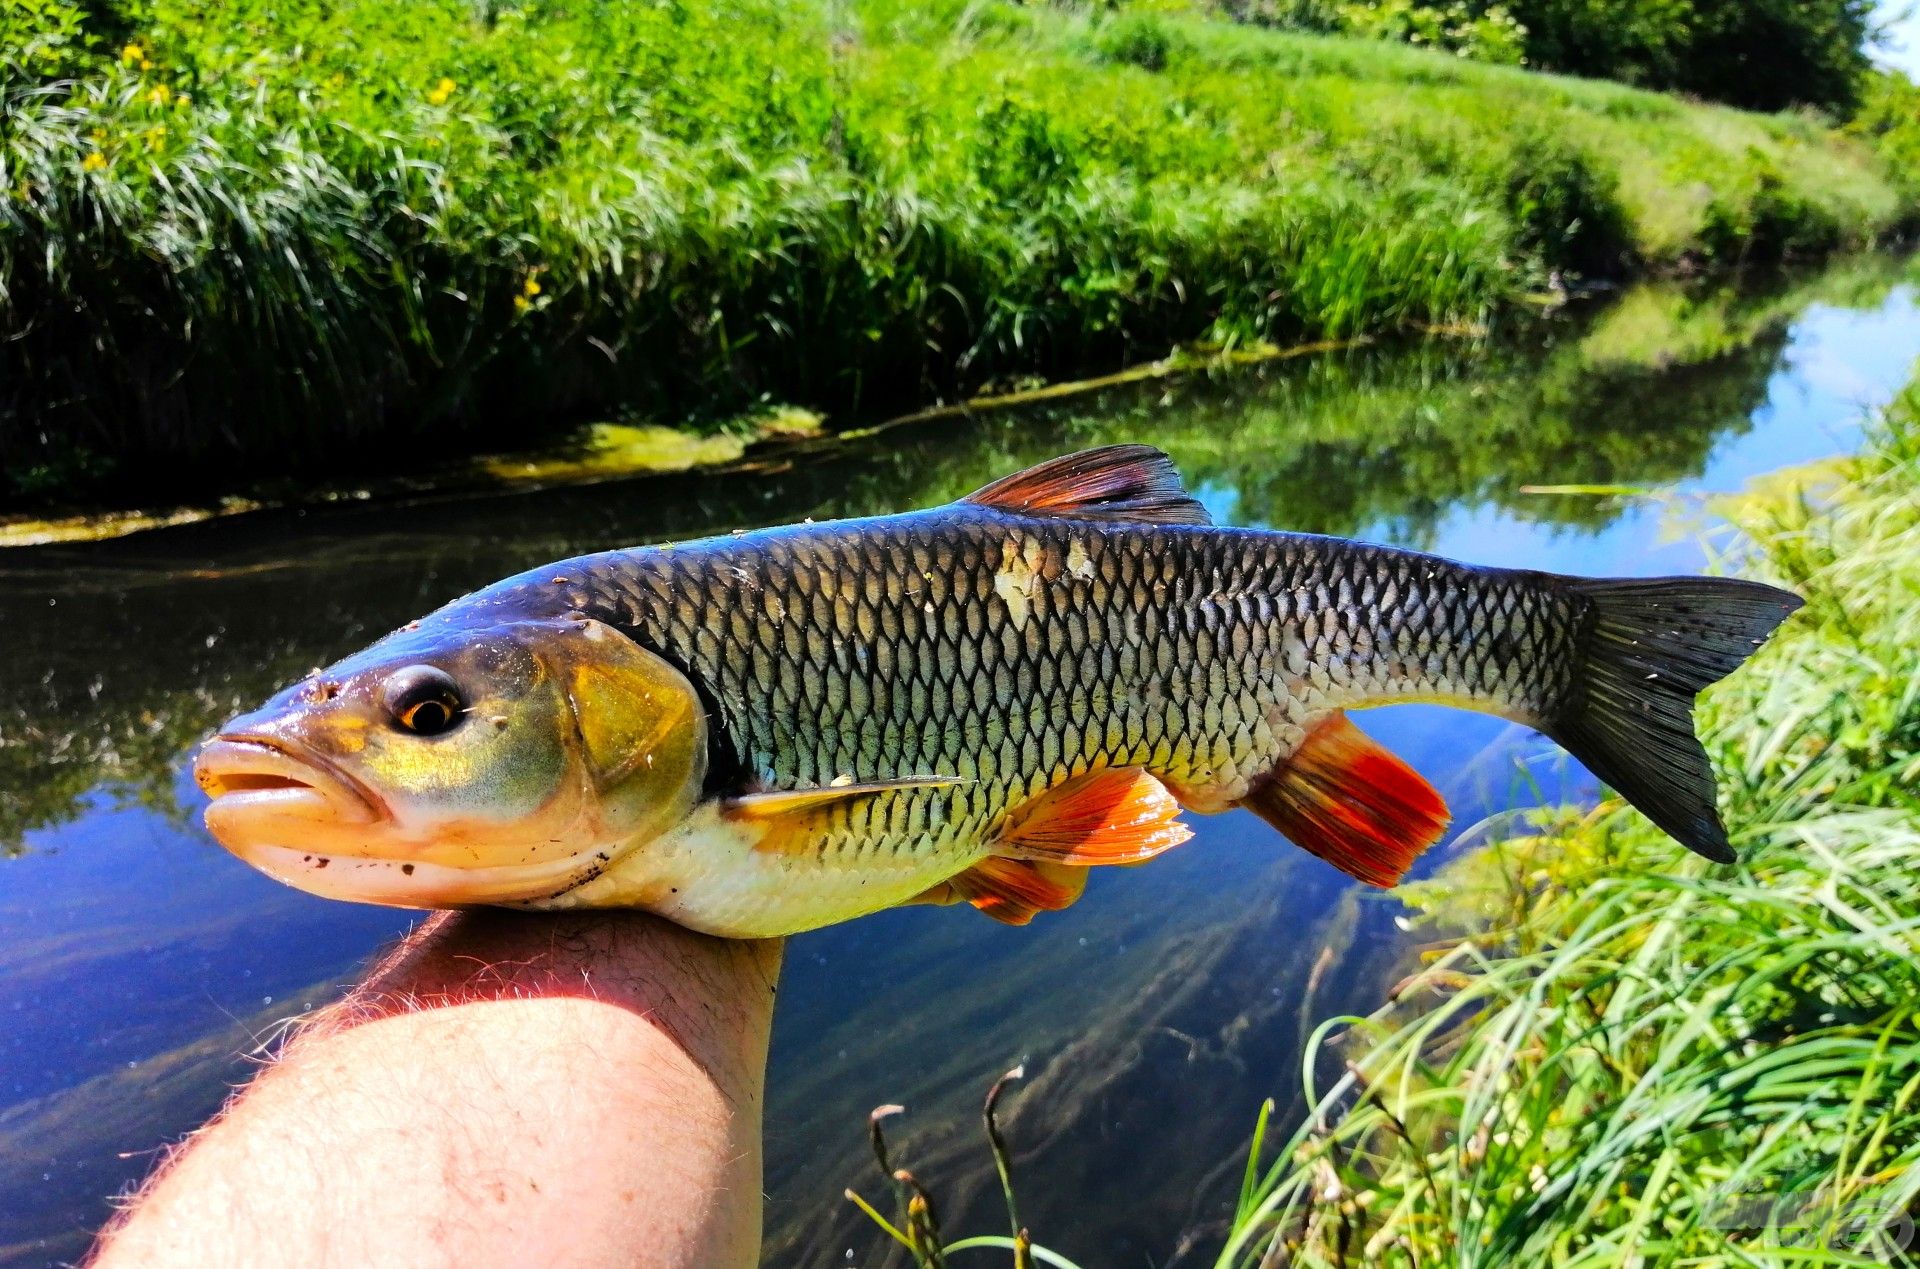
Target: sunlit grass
1617,1054
293,237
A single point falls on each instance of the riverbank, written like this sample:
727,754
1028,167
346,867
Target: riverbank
265,242
1618,1054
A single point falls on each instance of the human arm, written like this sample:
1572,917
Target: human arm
504,1088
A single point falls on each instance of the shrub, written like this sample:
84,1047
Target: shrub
1138,39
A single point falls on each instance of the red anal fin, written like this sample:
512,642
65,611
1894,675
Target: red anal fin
1013,890
1117,815
1352,803
1114,482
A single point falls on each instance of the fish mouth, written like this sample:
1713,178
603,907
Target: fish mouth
256,780
305,823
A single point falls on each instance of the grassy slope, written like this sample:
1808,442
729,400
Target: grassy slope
1632,1056
252,237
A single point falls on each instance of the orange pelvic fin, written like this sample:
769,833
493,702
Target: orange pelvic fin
1118,815
1352,803
1115,482
943,895
788,817
1013,890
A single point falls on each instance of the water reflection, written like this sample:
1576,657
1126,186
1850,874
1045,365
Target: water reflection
142,960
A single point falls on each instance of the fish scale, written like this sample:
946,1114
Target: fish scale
959,643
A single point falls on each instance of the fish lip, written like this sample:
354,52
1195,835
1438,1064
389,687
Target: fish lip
403,883
248,772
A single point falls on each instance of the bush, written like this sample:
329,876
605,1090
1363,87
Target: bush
1766,220
1567,208
1889,116
1138,39
1761,54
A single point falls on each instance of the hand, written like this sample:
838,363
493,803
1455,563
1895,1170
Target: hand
505,1088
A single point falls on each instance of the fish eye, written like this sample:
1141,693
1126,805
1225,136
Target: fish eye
423,700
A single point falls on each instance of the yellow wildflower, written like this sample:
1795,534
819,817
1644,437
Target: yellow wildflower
154,136
132,53
532,288
521,303
98,136
442,92
160,95
94,162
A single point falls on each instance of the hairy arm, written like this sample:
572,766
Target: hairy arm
504,1088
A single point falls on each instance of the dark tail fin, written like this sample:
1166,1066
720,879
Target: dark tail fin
1651,646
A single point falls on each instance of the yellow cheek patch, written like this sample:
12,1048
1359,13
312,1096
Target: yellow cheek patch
350,734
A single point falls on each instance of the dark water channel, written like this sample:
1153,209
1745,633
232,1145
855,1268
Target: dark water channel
139,963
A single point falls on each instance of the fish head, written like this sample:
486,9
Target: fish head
449,767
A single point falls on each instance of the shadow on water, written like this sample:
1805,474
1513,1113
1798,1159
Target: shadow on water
1156,1014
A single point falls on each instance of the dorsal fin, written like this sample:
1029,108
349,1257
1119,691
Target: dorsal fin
1114,482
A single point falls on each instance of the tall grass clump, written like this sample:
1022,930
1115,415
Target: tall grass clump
312,235
1618,1054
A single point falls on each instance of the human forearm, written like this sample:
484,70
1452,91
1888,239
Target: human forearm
504,1088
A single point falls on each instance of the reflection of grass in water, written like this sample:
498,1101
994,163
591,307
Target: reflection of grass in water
1632,1057
1403,437
1661,324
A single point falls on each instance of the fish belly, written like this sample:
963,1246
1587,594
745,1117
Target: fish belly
715,875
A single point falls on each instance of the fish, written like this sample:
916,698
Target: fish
772,731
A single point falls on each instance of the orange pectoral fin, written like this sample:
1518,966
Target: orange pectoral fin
1119,815
1013,890
1352,803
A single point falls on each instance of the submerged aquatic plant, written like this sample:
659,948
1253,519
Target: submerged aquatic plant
918,1228
1616,1054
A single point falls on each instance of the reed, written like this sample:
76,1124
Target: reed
1617,1054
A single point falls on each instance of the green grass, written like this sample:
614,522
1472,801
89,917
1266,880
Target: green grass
288,238
1616,1054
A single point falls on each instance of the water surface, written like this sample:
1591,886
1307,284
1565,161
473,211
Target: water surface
144,964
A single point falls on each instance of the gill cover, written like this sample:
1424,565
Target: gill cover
642,731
